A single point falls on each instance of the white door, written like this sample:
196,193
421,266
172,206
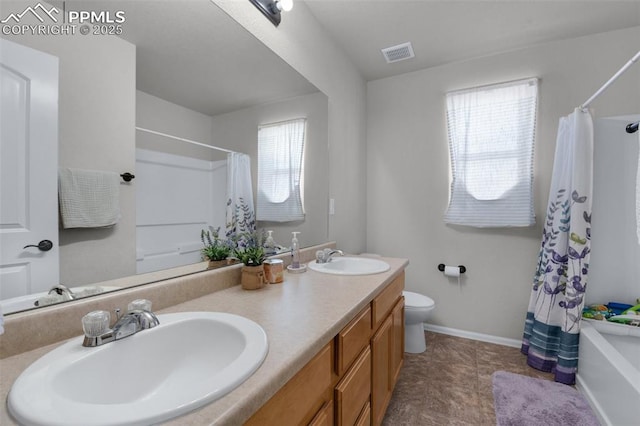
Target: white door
28,170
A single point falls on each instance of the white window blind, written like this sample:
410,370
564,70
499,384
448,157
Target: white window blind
281,171
491,139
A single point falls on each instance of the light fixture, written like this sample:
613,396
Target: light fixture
272,8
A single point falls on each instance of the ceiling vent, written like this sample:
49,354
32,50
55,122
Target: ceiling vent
398,53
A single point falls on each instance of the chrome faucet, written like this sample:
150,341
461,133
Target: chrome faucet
97,331
326,255
60,290
63,291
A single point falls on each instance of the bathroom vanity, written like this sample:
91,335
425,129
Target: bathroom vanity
350,380
335,344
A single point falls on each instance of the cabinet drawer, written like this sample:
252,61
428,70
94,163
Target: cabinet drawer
354,390
365,416
324,416
352,339
385,301
301,397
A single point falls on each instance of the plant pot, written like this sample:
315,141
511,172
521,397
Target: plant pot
253,277
213,264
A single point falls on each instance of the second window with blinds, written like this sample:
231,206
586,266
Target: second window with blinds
281,171
491,139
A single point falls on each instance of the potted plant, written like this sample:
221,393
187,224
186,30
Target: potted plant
215,250
250,251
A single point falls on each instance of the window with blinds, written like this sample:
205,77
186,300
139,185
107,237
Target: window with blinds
491,139
281,171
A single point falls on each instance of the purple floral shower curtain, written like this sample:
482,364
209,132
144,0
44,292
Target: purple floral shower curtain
552,327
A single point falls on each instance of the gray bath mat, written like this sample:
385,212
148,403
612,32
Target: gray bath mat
527,401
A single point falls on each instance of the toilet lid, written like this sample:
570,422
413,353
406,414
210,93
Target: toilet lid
415,300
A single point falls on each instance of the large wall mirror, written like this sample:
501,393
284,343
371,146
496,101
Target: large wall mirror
176,72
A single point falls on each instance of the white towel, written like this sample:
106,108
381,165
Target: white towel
88,198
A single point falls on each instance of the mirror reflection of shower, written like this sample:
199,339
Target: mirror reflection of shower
168,234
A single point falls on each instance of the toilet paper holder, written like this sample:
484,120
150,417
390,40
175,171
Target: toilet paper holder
463,269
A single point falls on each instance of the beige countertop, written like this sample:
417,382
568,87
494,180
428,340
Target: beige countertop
299,316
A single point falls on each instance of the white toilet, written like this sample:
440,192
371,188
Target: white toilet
416,311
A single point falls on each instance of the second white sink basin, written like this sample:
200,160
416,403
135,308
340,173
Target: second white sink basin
348,265
189,360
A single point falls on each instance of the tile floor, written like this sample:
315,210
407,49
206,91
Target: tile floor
450,383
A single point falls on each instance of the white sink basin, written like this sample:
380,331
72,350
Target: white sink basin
189,360
346,265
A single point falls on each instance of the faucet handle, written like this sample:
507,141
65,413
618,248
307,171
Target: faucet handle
147,319
140,304
96,323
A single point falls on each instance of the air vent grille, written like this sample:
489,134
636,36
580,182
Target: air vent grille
398,53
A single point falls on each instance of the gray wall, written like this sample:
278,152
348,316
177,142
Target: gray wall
408,173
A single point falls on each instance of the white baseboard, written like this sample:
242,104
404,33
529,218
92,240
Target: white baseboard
473,335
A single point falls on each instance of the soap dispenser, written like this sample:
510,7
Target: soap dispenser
295,251
296,266
270,244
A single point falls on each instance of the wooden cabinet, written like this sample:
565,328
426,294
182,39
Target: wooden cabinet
365,416
350,381
387,348
397,341
381,363
352,339
324,417
353,391
303,397
386,300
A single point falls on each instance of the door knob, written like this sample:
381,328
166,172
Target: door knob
44,245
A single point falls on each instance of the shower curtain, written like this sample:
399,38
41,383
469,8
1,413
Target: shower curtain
241,218
552,326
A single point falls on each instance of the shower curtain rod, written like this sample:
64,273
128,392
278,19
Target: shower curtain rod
142,129
604,87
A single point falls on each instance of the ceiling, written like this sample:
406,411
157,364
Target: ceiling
445,31
191,53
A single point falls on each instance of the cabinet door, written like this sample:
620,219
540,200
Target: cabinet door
381,370
302,397
353,391
397,341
